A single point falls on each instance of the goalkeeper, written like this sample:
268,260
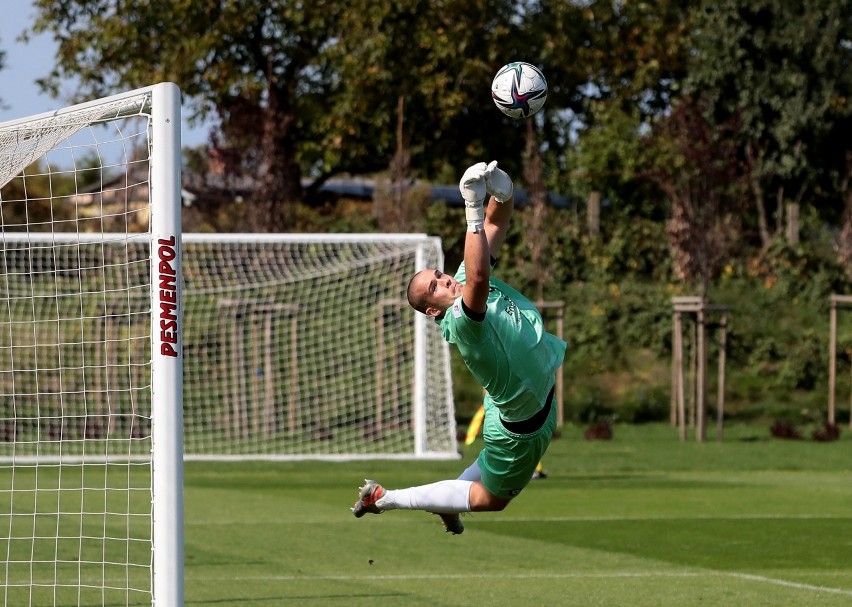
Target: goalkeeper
500,335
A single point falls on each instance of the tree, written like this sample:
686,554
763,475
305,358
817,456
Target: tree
301,88
38,193
636,53
783,68
695,163
844,245
634,57
253,64
412,81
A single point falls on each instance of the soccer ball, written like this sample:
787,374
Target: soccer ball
519,89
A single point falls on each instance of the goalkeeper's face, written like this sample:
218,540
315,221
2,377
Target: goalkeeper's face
432,292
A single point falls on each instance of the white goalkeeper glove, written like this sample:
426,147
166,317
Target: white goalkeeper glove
473,190
498,183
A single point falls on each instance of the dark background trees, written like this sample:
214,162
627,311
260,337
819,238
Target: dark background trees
313,90
783,69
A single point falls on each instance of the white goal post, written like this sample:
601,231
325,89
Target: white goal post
91,359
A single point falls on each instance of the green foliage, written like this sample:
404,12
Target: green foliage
339,217
328,87
644,405
631,247
802,364
609,149
589,402
804,273
39,194
782,69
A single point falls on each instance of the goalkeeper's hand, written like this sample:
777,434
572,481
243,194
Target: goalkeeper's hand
473,190
498,183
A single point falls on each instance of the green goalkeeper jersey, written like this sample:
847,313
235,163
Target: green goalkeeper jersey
508,351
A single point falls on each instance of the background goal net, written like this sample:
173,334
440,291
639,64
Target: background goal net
89,330
304,346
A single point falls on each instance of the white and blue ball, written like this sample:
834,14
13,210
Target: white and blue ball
519,89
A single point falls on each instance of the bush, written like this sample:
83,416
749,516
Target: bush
590,405
601,430
786,430
826,433
646,405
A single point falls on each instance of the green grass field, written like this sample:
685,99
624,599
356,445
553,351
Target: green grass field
642,520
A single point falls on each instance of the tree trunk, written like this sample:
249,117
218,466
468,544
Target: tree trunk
537,200
680,236
792,232
844,246
593,212
391,208
279,175
757,194
780,211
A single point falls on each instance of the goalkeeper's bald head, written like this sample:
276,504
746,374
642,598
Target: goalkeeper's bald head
417,296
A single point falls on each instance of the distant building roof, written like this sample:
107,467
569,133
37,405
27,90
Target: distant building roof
195,186
363,188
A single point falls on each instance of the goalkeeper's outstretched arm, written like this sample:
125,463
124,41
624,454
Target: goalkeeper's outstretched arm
487,228
473,188
477,261
500,206
497,217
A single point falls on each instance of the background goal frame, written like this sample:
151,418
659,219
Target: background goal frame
259,385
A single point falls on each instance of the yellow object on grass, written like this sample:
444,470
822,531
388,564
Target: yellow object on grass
475,425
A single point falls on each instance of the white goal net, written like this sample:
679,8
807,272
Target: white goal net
304,346
90,318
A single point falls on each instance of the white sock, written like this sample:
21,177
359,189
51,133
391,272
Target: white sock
473,473
443,496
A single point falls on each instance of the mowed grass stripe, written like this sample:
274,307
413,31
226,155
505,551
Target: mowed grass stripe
547,576
709,517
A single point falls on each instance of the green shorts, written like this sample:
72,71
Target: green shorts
508,460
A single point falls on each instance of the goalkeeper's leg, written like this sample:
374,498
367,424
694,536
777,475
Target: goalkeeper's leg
452,522
472,473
